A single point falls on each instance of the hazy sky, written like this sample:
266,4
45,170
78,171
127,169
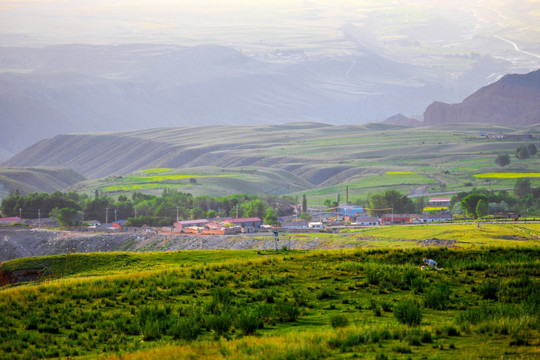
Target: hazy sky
109,21
248,23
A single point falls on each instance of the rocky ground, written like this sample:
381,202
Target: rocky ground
17,243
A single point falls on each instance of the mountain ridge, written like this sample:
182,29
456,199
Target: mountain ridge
513,99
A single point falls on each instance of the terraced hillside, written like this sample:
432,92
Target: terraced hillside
285,159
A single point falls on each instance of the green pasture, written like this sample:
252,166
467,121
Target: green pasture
347,303
464,235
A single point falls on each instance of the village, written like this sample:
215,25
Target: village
323,220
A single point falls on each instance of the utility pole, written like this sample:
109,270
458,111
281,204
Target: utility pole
177,213
237,211
39,218
115,219
107,215
20,213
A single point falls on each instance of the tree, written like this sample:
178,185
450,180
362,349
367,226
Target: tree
522,187
470,202
271,216
420,204
96,209
532,149
522,152
196,214
482,208
254,208
68,217
306,216
304,203
502,160
390,199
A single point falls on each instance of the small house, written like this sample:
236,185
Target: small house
181,225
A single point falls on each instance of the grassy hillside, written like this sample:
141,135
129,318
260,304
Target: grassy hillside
314,158
36,179
374,304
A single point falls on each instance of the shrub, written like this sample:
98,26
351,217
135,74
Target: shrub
248,322
220,324
338,321
325,293
408,312
437,297
151,330
287,311
186,328
426,337
488,289
402,349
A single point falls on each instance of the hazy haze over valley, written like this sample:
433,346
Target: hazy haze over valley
94,66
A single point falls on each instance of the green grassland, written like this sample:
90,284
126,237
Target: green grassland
373,303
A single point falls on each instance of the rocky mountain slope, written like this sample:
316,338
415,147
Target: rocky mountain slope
512,100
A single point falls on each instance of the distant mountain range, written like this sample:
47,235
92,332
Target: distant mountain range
83,88
512,100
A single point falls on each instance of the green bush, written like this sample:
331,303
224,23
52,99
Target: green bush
408,312
437,297
287,311
489,289
248,322
221,324
186,328
339,321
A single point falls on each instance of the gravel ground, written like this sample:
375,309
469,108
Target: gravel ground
16,243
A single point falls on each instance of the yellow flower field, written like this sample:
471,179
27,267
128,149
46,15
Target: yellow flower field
507,175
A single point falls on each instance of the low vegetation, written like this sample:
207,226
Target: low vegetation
366,303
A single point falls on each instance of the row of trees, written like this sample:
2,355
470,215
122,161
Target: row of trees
475,204
72,208
481,202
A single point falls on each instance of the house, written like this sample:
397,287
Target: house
93,223
427,218
315,225
119,224
350,210
10,220
295,225
181,225
367,221
221,227
397,218
439,201
248,225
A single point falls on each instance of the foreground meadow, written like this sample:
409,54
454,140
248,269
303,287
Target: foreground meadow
367,303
